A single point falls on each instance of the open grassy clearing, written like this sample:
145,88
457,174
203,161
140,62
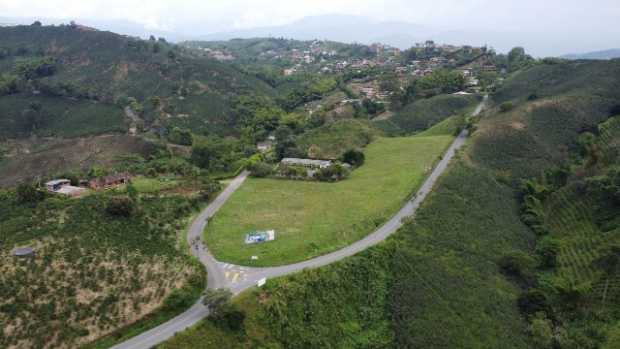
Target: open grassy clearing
313,218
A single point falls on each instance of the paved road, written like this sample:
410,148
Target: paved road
239,278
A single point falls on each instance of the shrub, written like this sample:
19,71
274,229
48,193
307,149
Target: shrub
120,206
333,173
353,157
547,250
506,107
261,169
533,301
28,193
217,300
519,265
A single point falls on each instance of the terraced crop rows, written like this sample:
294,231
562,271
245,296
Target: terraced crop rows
572,220
608,137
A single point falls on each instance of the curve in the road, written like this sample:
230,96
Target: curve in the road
216,270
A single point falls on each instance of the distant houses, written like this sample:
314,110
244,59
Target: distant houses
63,186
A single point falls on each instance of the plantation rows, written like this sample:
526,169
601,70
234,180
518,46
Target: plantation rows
609,137
569,218
93,272
49,302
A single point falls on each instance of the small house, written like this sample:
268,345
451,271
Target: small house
56,184
264,147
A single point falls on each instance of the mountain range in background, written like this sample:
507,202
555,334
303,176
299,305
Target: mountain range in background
349,29
605,54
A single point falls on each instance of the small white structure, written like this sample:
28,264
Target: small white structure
64,187
57,184
258,237
23,252
309,163
264,147
261,282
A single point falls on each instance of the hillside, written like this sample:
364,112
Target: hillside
475,270
70,67
425,113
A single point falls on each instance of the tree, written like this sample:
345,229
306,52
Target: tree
442,81
132,192
518,265
36,24
28,193
180,136
541,331
354,157
533,301
120,206
216,300
261,169
506,107
222,310
547,250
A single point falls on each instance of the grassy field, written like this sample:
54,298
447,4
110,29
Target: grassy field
312,218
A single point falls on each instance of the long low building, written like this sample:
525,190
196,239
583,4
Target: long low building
306,162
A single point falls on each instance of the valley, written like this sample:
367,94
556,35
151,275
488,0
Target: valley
283,193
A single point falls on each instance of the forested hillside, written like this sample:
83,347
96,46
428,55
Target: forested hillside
72,80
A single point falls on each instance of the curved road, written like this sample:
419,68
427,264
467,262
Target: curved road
238,278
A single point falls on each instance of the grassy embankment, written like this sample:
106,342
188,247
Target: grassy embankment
425,113
312,218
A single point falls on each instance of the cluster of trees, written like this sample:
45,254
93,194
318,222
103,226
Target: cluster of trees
441,81
8,84
180,136
304,94
219,155
35,67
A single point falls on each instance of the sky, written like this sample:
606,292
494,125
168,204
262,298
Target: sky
585,22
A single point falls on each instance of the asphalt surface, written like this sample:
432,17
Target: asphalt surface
219,273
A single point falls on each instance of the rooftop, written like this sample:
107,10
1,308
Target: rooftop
57,182
23,251
307,162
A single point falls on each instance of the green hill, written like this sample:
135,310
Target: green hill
425,113
103,69
330,141
469,272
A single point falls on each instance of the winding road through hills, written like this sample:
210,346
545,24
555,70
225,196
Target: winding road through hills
239,278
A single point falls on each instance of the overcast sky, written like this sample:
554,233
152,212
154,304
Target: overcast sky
578,19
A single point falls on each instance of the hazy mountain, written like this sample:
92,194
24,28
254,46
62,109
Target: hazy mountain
115,26
337,28
605,54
